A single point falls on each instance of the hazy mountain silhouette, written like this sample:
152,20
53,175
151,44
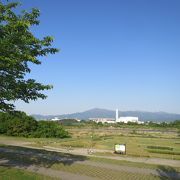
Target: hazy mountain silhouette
104,113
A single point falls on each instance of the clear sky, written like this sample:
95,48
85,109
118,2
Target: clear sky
114,54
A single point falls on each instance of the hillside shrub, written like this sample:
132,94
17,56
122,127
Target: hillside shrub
160,147
163,152
19,124
47,129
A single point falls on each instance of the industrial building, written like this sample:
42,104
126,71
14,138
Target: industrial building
118,119
103,120
55,119
127,119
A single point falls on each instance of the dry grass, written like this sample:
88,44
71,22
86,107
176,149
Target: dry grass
136,141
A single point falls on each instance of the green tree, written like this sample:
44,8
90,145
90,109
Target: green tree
17,124
18,48
47,129
4,122
20,124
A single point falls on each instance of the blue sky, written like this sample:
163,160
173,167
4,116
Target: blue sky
114,54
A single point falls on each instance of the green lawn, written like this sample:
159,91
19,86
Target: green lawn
9,173
103,173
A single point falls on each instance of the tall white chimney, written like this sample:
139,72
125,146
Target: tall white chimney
117,116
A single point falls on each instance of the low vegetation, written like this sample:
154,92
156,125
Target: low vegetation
163,152
160,147
19,124
18,174
150,125
140,142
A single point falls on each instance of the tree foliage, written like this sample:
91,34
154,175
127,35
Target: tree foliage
48,129
18,48
19,124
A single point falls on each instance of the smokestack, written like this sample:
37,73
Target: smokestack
117,116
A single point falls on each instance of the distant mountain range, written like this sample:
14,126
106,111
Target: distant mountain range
104,113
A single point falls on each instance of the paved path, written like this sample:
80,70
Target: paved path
83,151
174,175
157,161
65,175
46,171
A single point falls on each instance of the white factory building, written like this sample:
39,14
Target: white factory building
55,119
118,119
127,119
103,120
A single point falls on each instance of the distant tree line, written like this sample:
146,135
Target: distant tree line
68,122
20,124
86,123
174,124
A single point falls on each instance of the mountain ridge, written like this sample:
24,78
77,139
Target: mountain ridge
105,113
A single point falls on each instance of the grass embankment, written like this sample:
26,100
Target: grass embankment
72,163
16,174
9,173
104,173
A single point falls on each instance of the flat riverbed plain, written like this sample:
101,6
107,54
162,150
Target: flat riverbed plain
150,155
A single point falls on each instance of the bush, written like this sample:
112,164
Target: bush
47,129
21,127
163,152
3,123
19,124
160,147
